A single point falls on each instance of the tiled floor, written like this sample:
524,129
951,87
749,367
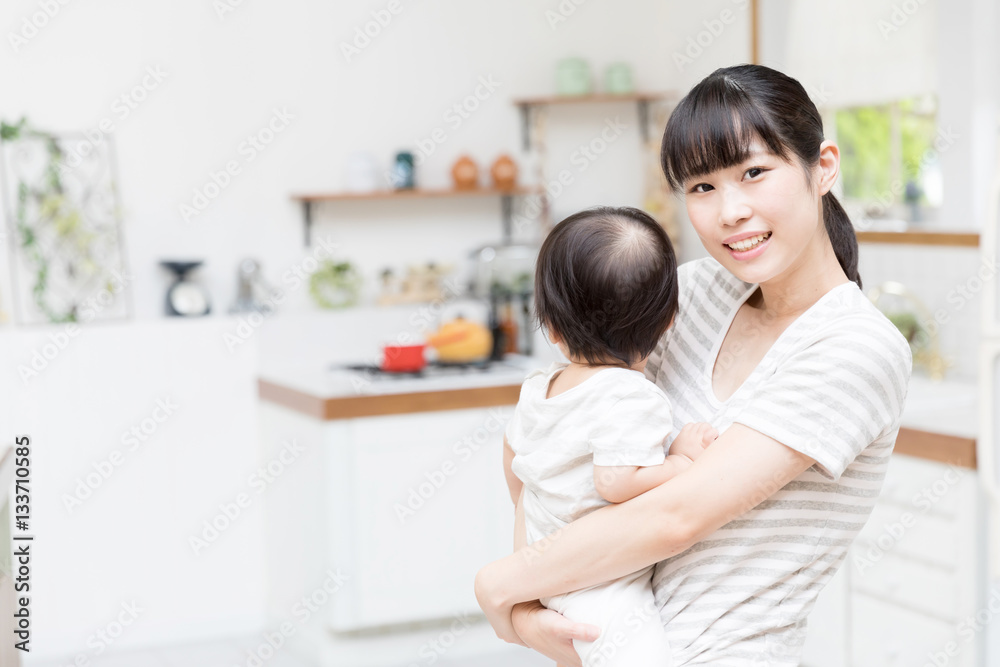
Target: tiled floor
477,647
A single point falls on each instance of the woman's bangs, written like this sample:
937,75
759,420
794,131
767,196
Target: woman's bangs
713,128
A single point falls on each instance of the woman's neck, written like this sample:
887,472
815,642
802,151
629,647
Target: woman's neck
813,274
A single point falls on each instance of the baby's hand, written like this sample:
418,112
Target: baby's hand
693,439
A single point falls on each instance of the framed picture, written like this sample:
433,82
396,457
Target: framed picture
63,230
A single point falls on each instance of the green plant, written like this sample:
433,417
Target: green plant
55,215
335,284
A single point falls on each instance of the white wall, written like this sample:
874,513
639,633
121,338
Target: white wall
224,76
138,433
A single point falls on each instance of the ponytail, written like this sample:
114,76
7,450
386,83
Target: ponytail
842,237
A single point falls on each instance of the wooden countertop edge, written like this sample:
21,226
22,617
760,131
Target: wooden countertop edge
374,405
938,447
961,239
912,442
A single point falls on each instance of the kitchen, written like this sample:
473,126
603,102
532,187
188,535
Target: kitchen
288,198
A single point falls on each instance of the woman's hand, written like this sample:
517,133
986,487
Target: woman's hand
550,633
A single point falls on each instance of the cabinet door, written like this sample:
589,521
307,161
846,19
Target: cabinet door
428,506
885,635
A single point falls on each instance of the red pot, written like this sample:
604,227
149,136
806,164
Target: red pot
403,358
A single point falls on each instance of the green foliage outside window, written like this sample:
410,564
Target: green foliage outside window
864,135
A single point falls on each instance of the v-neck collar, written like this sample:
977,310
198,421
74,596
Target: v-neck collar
730,318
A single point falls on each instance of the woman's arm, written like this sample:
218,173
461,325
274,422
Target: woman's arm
740,470
514,484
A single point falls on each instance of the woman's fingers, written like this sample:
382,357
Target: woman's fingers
550,633
568,629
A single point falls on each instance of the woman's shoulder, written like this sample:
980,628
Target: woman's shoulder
849,314
845,329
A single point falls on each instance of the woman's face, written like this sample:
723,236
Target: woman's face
760,219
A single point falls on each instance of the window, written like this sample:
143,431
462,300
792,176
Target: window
889,168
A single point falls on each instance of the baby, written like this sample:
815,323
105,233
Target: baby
593,431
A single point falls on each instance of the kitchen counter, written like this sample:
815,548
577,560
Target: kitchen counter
940,421
338,393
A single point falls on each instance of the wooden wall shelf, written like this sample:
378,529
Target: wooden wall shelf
641,100
593,98
954,239
415,193
309,200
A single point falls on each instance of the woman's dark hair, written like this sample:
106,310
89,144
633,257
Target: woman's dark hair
606,282
715,124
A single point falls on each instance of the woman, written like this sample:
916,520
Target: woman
776,346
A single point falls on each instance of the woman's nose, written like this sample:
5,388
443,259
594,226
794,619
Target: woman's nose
734,207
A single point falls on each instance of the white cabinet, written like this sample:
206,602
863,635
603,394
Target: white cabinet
911,579
406,507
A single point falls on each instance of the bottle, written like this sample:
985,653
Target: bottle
495,329
508,325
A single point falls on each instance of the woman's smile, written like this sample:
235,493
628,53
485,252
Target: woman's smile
748,247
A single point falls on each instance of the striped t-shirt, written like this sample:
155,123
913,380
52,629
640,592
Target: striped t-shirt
832,386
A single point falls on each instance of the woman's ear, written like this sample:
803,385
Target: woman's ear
829,165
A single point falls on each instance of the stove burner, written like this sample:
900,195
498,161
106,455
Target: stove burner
433,368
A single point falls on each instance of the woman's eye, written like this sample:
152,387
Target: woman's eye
698,187
754,171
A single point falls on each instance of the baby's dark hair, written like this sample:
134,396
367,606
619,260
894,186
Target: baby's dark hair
606,282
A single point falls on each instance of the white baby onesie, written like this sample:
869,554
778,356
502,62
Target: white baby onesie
615,417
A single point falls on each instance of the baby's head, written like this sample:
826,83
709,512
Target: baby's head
606,285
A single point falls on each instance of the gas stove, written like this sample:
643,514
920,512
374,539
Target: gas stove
433,369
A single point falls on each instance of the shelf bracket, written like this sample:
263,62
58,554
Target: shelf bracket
644,120
525,126
507,209
307,219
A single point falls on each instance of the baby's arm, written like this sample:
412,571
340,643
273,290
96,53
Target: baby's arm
616,484
514,484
